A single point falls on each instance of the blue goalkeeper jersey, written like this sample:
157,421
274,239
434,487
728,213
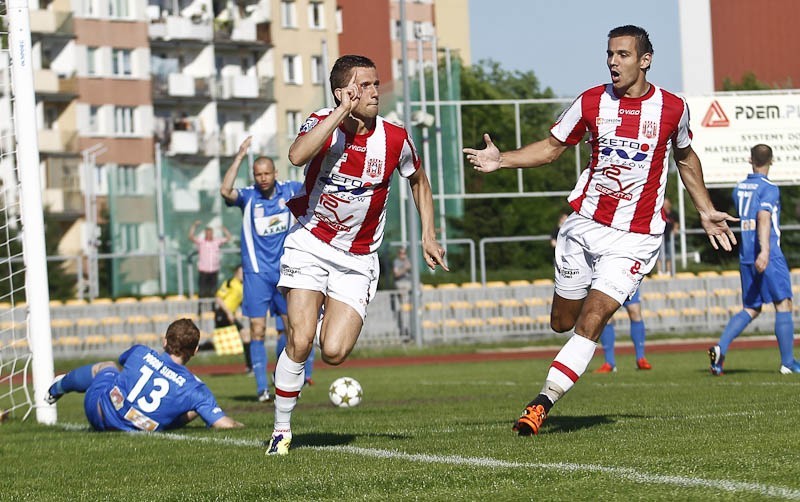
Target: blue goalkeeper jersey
152,392
753,194
265,222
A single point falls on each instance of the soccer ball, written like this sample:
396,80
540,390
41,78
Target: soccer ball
345,392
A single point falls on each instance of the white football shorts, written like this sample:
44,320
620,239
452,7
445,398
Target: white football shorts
590,255
309,263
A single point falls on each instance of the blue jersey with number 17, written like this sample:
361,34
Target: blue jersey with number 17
152,392
753,194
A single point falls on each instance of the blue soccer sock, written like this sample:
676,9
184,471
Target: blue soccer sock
309,367
258,355
637,337
280,345
735,326
607,338
784,332
77,380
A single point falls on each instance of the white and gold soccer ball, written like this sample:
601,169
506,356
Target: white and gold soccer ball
345,392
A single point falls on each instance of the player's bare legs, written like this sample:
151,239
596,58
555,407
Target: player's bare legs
303,306
341,326
571,362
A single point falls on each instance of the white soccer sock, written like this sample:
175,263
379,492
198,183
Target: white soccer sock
568,366
289,378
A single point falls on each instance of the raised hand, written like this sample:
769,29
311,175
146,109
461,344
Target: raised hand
245,146
351,94
486,160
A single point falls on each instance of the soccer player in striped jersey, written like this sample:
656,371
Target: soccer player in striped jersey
612,239
762,266
350,154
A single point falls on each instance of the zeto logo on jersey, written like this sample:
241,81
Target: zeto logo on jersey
337,182
623,148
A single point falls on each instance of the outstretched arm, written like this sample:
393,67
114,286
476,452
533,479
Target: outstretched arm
193,229
227,234
533,155
423,198
714,222
227,191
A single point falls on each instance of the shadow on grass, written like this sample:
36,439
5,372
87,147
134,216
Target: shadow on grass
322,439
557,424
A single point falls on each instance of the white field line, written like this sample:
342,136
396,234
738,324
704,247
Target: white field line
625,473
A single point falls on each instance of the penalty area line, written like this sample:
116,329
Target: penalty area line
625,473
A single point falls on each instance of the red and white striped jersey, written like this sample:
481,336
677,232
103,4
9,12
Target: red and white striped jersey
343,199
630,138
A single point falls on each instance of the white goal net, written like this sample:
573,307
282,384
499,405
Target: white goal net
26,359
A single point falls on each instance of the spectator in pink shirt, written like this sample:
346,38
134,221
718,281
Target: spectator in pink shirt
208,258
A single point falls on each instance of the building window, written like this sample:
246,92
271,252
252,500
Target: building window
121,62
91,61
90,8
293,121
339,24
94,121
288,14
127,180
123,120
316,15
317,71
396,27
292,69
128,237
118,9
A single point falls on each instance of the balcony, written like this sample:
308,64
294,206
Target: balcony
180,28
49,82
184,143
58,141
52,22
180,85
245,87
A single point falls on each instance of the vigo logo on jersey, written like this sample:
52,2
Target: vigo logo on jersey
335,216
612,173
272,224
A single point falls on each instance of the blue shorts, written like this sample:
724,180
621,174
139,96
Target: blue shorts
261,295
101,385
633,299
773,286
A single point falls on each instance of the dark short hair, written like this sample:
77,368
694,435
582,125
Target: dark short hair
263,159
182,337
340,73
761,155
643,45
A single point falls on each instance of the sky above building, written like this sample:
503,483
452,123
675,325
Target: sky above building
563,42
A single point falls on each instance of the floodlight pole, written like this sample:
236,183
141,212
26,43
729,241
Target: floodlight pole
413,224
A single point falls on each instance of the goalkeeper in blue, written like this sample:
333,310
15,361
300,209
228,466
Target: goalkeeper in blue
762,266
151,392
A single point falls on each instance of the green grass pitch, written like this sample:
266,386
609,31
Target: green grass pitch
443,432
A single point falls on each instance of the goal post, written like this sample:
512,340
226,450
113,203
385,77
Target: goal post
36,320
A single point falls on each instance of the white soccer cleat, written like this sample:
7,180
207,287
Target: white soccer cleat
53,396
280,442
788,370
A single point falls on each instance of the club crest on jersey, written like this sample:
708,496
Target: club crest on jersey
374,168
649,129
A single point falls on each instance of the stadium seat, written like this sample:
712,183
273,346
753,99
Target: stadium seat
473,322
708,273
149,339
496,284
87,326
519,282
730,273
543,282
121,340
471,285
447,285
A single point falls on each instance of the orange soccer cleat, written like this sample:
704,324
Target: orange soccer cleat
606,368
531,419
642,364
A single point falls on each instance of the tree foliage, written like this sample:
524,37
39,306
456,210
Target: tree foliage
519,215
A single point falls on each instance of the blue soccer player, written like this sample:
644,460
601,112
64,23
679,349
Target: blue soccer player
763,269
265,221
152,392
608,336
309,364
